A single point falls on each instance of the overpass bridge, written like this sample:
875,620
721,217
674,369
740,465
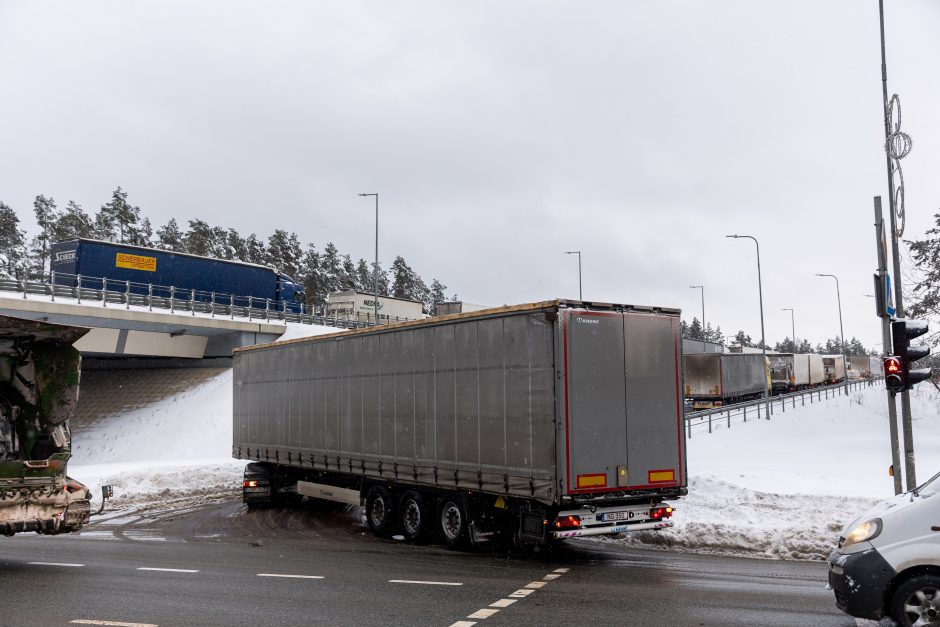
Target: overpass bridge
130,330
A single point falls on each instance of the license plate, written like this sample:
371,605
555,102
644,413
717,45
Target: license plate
616,516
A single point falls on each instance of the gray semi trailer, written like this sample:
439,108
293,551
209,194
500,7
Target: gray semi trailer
535,422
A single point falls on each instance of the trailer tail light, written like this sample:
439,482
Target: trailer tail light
658,513
567,522
250,484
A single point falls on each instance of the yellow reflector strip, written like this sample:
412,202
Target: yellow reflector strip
592,481
661,476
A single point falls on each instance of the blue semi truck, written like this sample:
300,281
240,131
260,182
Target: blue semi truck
93,264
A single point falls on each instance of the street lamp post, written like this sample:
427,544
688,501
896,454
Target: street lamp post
792,327
701,287
578,253
375,269
760,294
845,365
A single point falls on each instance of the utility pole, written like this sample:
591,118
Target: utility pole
897,146
886,341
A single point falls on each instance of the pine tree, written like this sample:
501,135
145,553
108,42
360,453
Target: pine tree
436,295
742,339
285,253
255,250
805,347
695,329
348,278
12,243
170,237
363,276
684,329
926,256
46,218
331,269
73,223
403,279
312,280
198,239
235,246
123,216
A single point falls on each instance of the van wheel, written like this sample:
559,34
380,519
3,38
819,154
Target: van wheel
917,602
414,516
452,518
380,513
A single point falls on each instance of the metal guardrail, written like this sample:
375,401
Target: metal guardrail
766,407
111,292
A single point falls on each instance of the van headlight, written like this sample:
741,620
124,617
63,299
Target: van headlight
863,532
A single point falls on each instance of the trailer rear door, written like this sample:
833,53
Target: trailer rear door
623,403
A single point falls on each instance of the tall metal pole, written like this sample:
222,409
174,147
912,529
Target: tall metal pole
375,268
906,424
792,328
886,343
845,365
760,293
578,253
701,287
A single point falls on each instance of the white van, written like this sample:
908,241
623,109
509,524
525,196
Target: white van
888,560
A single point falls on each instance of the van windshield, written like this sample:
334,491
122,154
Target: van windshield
931,487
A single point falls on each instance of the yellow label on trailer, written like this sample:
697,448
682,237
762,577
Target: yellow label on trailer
135,262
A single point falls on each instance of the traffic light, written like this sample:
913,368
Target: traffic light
902,332
894,374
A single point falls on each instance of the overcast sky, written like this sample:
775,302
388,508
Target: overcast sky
499,135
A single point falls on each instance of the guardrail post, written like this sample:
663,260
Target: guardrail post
172,298
78,282
729,418
745,412
251,304
150,296
212,305
769,408
783,405
267,308
231,305
127,295
104,292
688,424
192,302
52,286
24,289
709,423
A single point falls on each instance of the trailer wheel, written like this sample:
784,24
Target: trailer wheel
380,513
414,516
452,517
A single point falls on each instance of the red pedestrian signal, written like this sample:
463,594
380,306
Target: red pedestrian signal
894,374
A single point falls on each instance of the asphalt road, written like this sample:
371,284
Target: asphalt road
222,565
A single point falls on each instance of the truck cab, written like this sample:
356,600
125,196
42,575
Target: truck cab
290,294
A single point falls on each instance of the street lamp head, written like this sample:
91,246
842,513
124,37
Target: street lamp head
572,252
734,236
695,287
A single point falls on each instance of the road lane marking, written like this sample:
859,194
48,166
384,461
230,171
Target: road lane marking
291,576
426,583
521,593
111,623
169,570
55,564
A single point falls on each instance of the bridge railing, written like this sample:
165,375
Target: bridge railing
115,293
763,408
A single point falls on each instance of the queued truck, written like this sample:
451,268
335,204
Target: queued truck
834,367
790,373
862,367
96,265
717,379
39,375
533,423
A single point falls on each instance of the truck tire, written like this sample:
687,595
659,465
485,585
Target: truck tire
915,601
452,521
380,512
414,516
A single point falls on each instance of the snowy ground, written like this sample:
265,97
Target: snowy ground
778,489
